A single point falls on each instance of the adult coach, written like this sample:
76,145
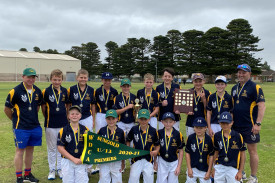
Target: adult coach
22,106
248,113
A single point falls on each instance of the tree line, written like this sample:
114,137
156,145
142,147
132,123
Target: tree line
214,52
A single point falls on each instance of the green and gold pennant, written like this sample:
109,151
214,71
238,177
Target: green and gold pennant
99,150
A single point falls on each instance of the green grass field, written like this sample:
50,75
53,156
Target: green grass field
266,149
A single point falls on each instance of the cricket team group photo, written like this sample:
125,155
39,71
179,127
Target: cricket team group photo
173,131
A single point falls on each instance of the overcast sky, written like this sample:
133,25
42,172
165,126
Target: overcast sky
61,24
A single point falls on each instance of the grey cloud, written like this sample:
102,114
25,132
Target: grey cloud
61,24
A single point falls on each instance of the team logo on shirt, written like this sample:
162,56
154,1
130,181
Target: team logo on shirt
234,145
234,93
68,138
193,147
75,96
51,98
220,144
136,137
174,142
225,104
214,104
87,97
141,99
121,104
161,142
162,94
101,98
24,98
244,94
253,137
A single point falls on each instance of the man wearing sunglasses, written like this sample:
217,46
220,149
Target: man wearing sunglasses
248,113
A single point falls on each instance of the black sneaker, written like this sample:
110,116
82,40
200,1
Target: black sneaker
19,180
30,178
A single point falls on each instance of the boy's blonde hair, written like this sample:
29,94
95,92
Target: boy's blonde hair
57,73
149,76
83,71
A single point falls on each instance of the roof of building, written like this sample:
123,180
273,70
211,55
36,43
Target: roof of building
268,73
25,54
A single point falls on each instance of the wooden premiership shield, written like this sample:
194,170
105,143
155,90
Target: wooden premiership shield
183,100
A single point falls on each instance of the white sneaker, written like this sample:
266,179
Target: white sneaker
59,173
51,175
252,180
244,175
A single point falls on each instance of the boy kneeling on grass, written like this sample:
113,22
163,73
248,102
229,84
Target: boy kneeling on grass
171,151
199,153
112,172
70,144
144,137
230,151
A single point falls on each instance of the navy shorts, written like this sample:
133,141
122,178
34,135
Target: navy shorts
248,136
24,138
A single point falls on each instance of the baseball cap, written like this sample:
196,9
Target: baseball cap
221,78
143,113
168,115
197,76
125,81
244,67
29,72
75,107
225,117
199,121
106,75
111,113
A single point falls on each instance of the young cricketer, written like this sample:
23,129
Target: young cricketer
54,108
199,153
230,151
218,102
124,103
82,95
149,99
70,144
111,172
171,151
144,137
166,92
200,102
22,107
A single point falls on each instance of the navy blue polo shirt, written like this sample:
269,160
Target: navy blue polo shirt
152,140
176,143
87,97
236,145
54,118
18,100
118,135
201,111
66,138
153,100
246,111
119,104
100,99
192,149
170,98
226,106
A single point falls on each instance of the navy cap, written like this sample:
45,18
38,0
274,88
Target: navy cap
168,115
107,75
199,121
225,117
244,67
